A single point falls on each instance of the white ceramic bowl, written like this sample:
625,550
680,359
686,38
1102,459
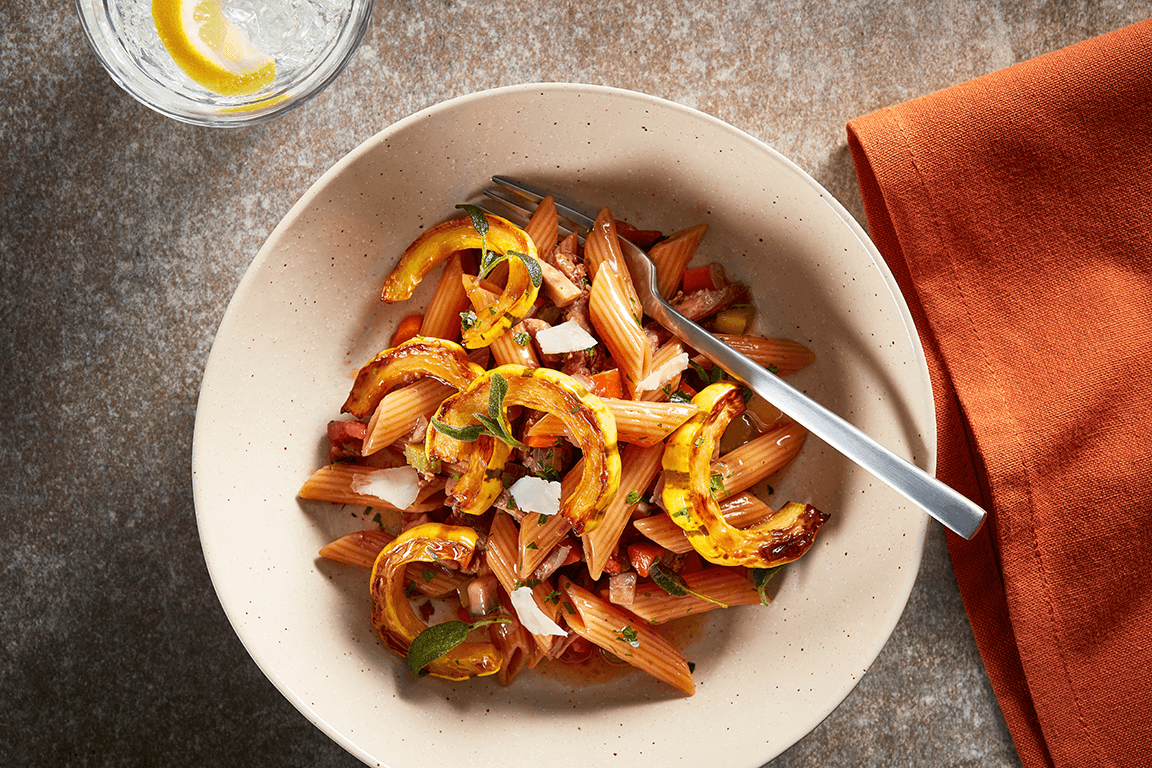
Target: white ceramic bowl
307,315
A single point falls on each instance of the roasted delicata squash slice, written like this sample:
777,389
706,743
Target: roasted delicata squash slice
687,463
586,419
479,487
418,357
500,237
392,614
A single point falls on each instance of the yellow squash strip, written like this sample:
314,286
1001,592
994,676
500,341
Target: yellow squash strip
687,463
418,357
392,614
440,242
585,418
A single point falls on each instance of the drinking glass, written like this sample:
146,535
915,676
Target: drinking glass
310,42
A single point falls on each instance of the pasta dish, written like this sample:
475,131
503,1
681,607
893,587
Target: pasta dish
554,476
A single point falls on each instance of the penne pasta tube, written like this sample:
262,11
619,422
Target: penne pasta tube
625,636
516,647
544,226
667,365
780,356
742,510
640,465
442,318
361,549
335,483
743,467
672,255
619,327
400,411
434,580
725,585
540,533
502,553
637,421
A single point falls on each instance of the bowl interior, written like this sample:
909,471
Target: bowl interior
307,315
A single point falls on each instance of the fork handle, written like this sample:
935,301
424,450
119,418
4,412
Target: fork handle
954,510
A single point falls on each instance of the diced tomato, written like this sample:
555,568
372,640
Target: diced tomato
642,554
645,238
346,439
408,328
614,564
608,384
697,278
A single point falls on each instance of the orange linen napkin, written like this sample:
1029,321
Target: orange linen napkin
1016,212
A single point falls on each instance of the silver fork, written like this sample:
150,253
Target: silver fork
952,509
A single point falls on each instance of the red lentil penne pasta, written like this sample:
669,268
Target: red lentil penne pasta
626,637
501,523
672,255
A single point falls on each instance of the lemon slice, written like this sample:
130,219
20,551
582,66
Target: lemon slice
209,48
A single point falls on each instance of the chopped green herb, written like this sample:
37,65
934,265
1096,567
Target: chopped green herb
691,667
521,338
410,589
468,320
553,597
532,545
716,483
427,574
543,520
698,442
628,635
633,497
568,607
772,368
549,472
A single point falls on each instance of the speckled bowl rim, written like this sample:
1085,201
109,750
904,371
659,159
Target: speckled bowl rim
218,379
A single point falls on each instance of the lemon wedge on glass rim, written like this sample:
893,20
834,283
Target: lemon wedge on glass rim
211,49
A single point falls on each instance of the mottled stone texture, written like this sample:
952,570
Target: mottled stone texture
123,235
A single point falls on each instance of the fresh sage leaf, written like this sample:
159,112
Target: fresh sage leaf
437,640
479,220
468,433
489,261
480,224
535,274
761,577
670,582
498,430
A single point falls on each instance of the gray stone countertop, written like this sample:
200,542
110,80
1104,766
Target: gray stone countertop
123,235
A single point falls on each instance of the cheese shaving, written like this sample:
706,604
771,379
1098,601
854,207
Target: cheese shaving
537,495
566,337
664,374
530,615
399,486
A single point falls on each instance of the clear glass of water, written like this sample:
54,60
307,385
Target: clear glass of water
310,42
